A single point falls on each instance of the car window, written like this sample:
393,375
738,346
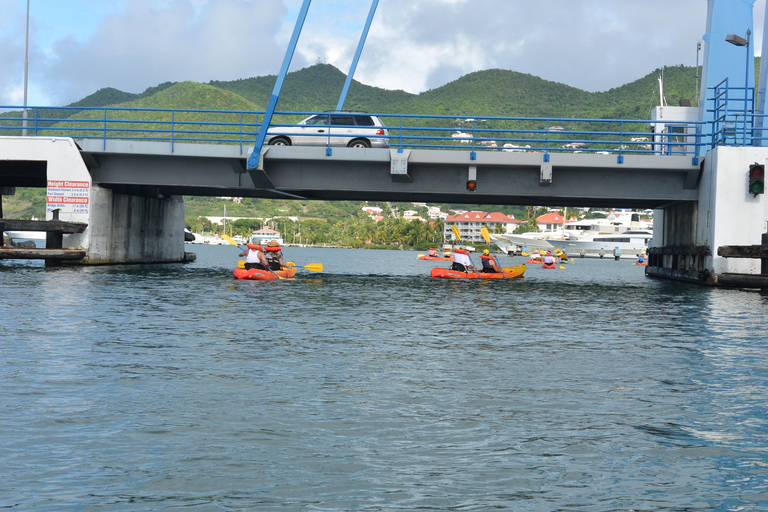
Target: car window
364,120
317,120
342,120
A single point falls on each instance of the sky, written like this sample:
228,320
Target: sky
77,47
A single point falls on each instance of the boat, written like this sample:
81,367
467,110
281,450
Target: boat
615,224
26,235
509,273
434,258
260,275
631,243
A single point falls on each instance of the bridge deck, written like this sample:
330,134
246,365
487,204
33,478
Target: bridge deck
582,179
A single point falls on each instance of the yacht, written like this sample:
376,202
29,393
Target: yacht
624,230
631,243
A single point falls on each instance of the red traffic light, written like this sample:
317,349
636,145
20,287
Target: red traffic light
756,179
471,185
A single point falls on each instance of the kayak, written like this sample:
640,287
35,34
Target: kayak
509,273
544,265
257,274
537,262
435,258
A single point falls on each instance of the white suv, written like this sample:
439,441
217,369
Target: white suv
346,129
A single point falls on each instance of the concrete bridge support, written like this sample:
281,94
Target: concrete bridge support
690,238
121,228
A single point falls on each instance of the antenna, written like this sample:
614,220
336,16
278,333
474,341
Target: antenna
697,93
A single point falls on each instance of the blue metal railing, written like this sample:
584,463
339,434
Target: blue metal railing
734,118
490,133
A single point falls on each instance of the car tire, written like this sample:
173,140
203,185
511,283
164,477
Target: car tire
280,141
359,143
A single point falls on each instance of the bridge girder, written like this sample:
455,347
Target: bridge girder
440,176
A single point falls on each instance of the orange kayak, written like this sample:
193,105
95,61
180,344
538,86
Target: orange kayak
254,273
435,258
509,273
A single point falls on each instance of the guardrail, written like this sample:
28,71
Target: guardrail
490,133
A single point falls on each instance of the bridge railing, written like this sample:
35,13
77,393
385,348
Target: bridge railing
488,133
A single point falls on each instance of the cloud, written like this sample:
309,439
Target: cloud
590,44
176,40
413,45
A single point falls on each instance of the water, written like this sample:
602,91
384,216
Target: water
371,386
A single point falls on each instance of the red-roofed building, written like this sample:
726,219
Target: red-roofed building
552,221
470,224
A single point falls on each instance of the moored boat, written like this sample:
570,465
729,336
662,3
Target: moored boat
509,273
257,274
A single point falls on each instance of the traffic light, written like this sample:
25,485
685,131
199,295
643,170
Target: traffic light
756,179
471,185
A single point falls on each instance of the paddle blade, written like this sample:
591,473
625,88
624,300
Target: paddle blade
228,239
314,267
241,264
456,233
486,236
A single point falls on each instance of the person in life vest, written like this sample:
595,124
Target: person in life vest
432,252
641,258
535,255
274,255
549,260
461,261
446,253
489,263
254,257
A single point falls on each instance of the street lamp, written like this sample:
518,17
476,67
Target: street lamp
26,74
737,40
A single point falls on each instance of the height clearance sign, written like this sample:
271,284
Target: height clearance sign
68,196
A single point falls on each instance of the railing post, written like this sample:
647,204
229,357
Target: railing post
173,127
241,132
105,129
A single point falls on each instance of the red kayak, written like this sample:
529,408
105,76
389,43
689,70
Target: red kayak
435,258
544,265
509,273
537,262
257,274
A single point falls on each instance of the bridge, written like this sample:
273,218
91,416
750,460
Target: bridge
124,172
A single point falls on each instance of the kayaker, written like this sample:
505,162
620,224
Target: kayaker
432,252
274,255
461,261
549,260
446,253
489,263
641,258
254,257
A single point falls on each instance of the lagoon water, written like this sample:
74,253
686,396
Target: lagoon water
371,386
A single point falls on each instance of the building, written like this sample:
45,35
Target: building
551,222
264,235
470,224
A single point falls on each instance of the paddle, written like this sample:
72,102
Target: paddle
456,233
487,238
312,267
229,239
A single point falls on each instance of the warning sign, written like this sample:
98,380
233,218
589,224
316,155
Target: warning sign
68,196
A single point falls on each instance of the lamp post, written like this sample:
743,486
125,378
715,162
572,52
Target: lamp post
737,40
26,74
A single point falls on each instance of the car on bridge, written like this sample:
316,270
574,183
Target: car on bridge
352,130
